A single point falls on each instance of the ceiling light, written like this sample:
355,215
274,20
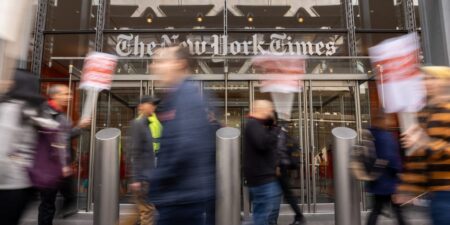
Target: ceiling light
301,19
199,18
149,19
250,17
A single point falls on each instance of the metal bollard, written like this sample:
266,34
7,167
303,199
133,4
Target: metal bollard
228,188
106,177
346,188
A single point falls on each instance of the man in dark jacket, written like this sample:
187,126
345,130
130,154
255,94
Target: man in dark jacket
59,98
182,182
143,147
260,164
387,148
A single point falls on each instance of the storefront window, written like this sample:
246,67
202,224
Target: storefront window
61,51
372,14
146,14
323,14
71,14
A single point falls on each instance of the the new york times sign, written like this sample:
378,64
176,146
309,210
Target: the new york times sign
280,44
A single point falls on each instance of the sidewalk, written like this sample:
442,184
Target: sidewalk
414,217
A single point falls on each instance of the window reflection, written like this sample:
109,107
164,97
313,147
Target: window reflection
71,14
146,14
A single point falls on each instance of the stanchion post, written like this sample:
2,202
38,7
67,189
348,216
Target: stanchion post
106,177
228,171
347,206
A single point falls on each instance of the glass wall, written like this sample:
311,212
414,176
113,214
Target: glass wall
223,36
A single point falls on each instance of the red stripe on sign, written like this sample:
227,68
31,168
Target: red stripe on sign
397,68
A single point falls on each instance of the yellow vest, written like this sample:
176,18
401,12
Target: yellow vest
156,130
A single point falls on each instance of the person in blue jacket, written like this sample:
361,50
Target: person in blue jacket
182,184
387,148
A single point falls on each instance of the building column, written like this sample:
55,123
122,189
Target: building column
435,21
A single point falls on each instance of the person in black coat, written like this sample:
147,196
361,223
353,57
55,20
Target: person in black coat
260,161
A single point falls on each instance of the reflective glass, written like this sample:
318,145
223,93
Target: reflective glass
165,14
324,14
71,14
375,14
62,51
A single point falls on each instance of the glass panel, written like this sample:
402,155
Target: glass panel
116,109
146,14
324,14
372,14
71,14
332,107
363,42
58,51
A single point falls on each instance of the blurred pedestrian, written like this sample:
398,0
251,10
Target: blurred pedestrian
21,117
286,163
428,167
145,133
387,148
260,138
58,99
182,182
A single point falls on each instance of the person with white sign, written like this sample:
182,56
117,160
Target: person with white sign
428,168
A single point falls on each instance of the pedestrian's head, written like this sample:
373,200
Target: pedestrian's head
25,86
172,64
147,105
262,109
60,94
437,81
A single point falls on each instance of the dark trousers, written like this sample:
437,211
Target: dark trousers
288,195
186,214
12,205
47,207
379,202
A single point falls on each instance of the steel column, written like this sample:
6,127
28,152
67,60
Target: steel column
39,37
228,188
106,182
347,206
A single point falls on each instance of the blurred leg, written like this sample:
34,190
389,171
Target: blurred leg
67,190
146,210
47,207
398,213
440,207
379,201
289,196
266,201
187,214
275,202
12,205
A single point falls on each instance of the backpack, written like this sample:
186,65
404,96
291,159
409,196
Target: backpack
364,163
287,151
46,171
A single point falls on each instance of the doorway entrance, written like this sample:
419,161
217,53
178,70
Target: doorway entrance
317,109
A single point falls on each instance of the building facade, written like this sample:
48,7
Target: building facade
223,36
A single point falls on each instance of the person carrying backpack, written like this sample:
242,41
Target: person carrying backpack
21,121
286,162
387,166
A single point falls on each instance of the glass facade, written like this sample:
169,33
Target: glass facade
223,36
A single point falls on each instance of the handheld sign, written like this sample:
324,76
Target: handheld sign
399,79
97,75
282,79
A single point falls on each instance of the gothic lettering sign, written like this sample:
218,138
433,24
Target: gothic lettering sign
279,44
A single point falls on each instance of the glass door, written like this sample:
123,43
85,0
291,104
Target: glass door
327,104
